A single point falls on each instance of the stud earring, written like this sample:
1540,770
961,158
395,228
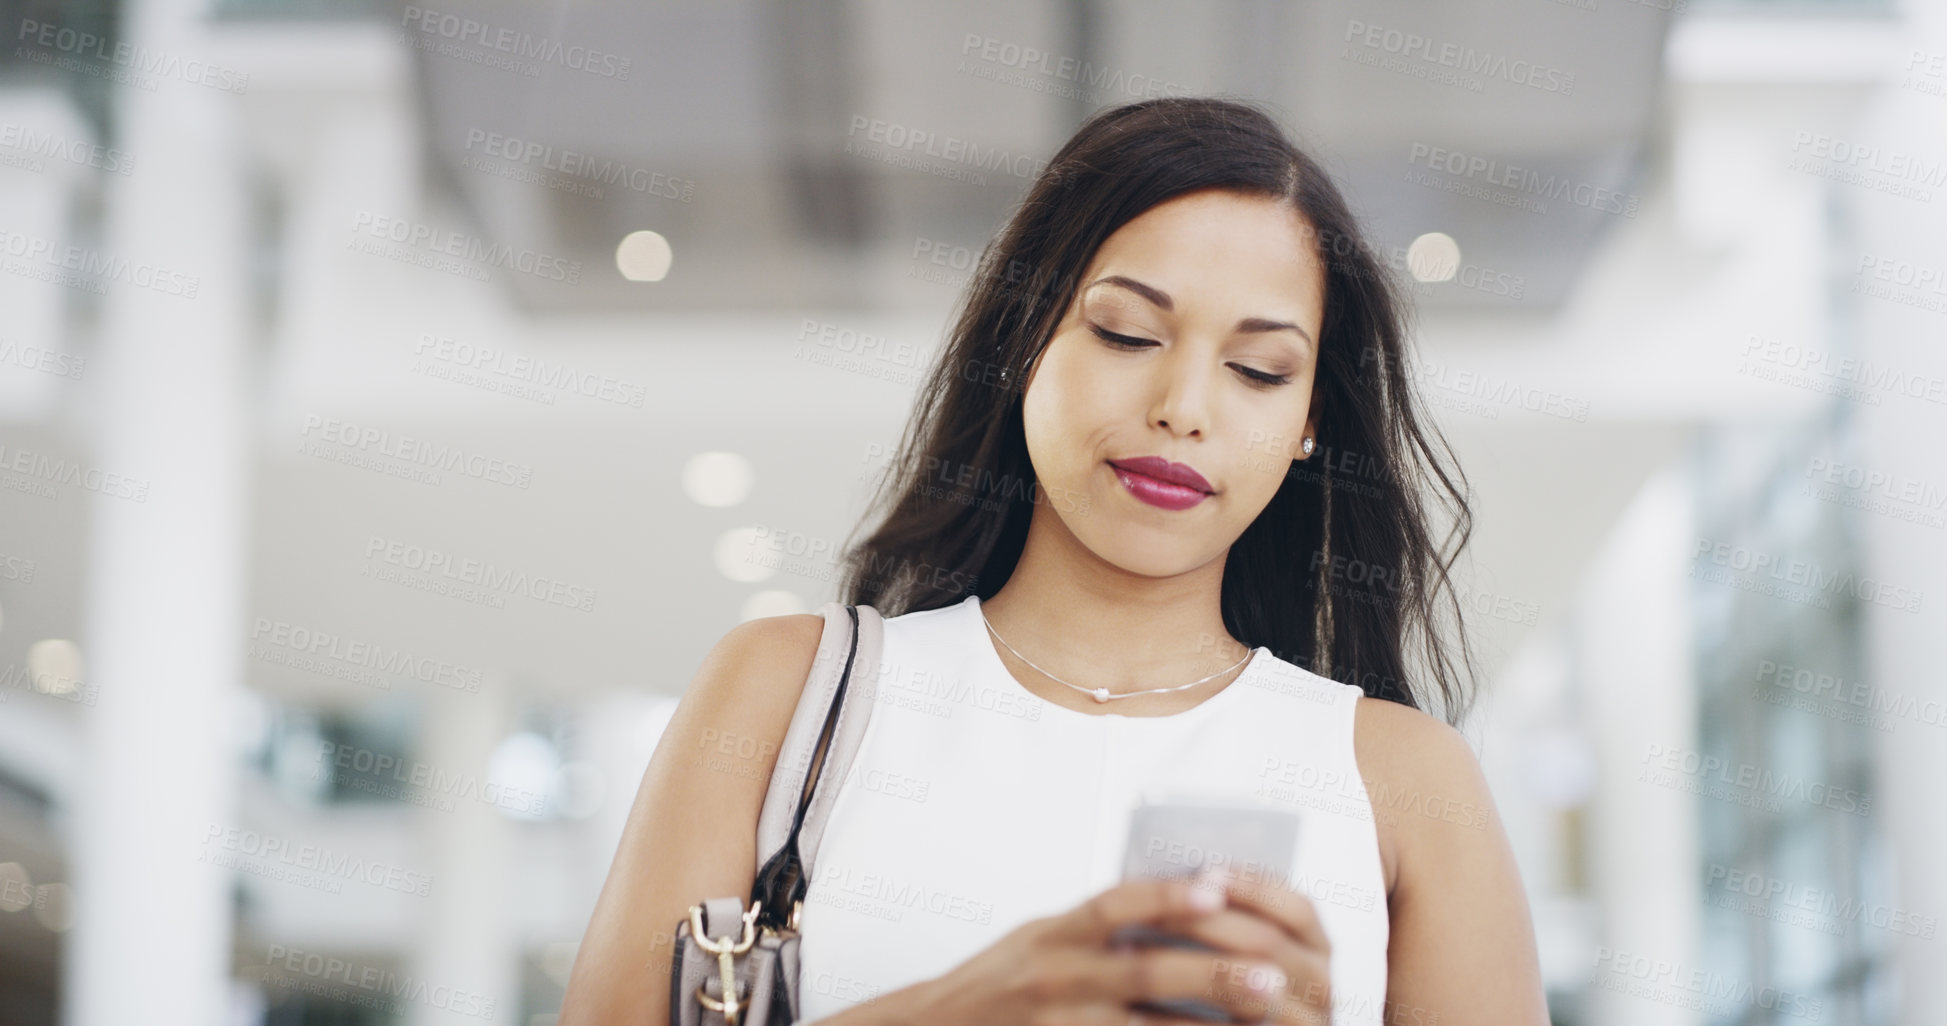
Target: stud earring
1307,445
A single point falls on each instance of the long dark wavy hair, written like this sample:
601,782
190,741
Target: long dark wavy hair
1341,573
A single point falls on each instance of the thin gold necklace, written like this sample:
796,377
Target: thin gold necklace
1102,694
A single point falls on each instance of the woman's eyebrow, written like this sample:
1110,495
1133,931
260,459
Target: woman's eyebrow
1162,299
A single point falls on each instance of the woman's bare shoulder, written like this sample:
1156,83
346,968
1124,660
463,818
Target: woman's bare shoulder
1422,779
759,666
1459,912
705,783
773,642
747,688
1400,736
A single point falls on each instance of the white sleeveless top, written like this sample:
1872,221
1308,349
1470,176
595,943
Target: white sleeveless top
974,805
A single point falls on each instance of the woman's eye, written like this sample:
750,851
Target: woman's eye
1125,341
1262,379
1266,378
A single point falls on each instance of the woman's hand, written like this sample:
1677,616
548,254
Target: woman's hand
1062,970
1268,923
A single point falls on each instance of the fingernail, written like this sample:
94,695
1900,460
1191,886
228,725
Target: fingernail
1266,980
1205,898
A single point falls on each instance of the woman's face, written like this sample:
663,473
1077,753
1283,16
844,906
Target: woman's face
1192,338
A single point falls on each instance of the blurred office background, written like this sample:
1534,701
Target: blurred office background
324,319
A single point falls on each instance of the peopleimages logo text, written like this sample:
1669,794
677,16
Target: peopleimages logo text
949,148
1427,50
58,146
513,41
1810,576
445,242
92,267
76,43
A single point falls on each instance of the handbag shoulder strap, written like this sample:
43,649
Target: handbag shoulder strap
830,718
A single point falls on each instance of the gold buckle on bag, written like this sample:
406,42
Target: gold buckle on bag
732,1005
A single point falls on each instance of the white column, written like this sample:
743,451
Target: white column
1901,437
471,941
165,611
34,203
1639,690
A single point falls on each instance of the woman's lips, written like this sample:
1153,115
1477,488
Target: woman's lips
1157,492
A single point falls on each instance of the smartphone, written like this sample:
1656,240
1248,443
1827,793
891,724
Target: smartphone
1178,839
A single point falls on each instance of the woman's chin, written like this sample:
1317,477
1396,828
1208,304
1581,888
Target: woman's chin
1144,554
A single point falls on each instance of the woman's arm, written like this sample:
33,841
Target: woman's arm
1463,946
692,833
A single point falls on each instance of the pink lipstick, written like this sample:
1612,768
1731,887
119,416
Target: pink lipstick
1161,483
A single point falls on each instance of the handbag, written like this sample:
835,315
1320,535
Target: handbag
738,966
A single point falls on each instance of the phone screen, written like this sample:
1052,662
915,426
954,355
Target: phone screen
1179,839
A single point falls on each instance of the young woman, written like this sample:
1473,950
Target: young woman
1162,525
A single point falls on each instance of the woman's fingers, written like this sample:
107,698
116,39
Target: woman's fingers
1247,937
1246,986
1238,931
1290,909
1250,987
1271,964
1122,1015
1081,976
1131,903
1251,937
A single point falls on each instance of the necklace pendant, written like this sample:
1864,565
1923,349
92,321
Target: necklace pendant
1101,694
